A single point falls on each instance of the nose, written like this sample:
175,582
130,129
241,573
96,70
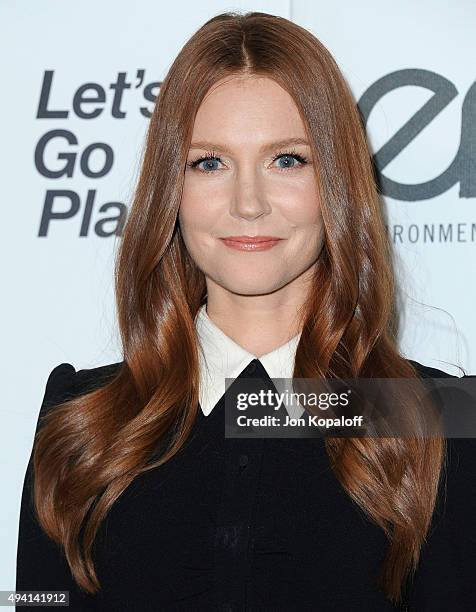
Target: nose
248,200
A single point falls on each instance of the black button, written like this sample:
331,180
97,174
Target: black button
228,536
243,460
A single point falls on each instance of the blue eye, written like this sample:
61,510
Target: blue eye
208,161
291,156
211,159
287,158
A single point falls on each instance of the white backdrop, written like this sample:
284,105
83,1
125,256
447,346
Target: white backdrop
411,68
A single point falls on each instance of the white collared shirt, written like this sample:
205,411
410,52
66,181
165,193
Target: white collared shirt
221,357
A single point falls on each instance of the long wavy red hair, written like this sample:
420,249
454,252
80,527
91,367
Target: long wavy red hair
89,449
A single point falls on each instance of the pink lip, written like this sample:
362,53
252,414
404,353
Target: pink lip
251,243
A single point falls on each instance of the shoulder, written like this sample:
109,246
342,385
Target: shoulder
65,382
428,372
88,379
452,534
455,396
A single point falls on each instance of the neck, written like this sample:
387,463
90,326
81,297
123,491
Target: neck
256,323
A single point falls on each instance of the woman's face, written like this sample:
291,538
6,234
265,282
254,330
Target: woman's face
248,185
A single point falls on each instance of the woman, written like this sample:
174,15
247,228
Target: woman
255,247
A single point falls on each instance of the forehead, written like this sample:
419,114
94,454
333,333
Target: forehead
246,109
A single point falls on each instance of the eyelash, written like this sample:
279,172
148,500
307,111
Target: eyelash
211,155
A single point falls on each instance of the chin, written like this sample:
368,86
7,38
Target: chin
252,288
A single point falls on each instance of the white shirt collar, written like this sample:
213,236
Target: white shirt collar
221,357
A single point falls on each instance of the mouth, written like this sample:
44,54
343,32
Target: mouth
251,243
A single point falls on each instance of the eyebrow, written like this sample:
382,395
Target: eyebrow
269,146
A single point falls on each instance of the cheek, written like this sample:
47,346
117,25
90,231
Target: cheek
194,215
301,207
302,212
198,209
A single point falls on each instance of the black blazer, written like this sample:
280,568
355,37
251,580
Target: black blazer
250,524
